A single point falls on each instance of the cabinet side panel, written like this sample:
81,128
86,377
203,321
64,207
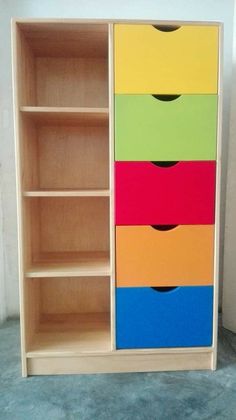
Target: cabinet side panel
17,76
26,71
217,205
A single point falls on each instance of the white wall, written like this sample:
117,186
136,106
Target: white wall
2,282
229,284
142,9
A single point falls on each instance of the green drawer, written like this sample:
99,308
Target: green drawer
165,127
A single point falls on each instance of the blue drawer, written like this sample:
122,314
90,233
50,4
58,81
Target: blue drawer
150,318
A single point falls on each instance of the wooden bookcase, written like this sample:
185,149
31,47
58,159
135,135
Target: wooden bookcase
64,129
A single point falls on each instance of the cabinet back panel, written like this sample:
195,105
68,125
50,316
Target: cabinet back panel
74,295
67,40
72,82
74,224
73,157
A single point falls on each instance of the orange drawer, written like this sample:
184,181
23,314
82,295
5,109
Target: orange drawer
152,256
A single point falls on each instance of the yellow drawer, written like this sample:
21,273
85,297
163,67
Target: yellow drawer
150,60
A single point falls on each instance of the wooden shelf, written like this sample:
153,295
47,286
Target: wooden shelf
71,334
80,264
67,115
68,193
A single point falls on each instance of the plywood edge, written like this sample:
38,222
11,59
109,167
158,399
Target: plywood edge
22,21
63,109
111,183
68,193
66,273
218,200
115,363
134,352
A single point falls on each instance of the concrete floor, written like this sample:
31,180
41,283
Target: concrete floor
139,396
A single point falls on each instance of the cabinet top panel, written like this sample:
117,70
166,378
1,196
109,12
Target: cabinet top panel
42,23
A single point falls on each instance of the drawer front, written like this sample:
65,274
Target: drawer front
147,194
148,60
148,318
157,128
147,256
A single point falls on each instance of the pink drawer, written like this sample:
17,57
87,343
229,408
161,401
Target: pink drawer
147,193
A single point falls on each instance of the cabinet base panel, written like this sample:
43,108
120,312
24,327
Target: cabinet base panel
115,362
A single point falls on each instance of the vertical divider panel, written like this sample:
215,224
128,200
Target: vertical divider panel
111,176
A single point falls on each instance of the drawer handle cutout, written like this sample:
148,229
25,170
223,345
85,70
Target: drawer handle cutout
166,28
165,164
164,228
164,289
166,98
